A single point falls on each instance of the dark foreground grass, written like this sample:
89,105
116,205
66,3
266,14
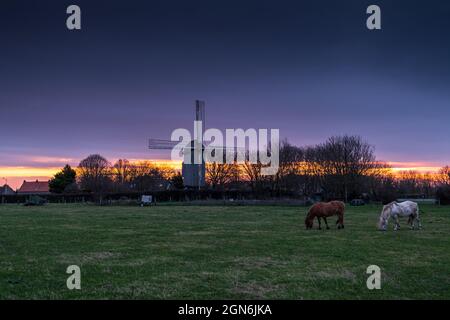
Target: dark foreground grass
255,252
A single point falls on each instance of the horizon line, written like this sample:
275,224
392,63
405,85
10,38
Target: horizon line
15,175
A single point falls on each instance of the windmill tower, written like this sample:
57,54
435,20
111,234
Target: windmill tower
192,171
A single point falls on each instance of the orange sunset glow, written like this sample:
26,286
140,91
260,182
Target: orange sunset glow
421,167
16,175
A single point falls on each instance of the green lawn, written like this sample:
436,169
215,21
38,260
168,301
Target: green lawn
217,252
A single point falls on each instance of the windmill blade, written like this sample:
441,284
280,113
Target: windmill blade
236,148
169,144
200,113
161,144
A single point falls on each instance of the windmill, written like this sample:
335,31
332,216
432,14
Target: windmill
193,174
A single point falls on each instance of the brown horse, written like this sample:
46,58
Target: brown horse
324,210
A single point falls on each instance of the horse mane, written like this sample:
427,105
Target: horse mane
386,207
390,204
310,214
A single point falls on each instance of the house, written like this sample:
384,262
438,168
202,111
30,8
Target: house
6,190
34,187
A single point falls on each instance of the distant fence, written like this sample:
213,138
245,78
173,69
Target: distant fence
161,196
423,201
179,196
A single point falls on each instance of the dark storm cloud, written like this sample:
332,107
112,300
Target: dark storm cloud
310,68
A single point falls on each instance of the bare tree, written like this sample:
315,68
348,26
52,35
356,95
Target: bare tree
413,183
146,176
444,176
342,163
252,174
381,184
122,171
219,174
443,189
93,173
292,174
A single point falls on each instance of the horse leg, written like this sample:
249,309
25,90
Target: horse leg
411,221
419,225
396,223
340,222
318,219
326,222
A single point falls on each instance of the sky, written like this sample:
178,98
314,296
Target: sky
309,68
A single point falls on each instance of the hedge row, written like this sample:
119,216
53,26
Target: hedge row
161,196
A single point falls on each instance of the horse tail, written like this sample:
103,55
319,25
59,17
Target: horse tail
419,210
341,217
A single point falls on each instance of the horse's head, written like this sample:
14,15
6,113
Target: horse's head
382,224
309,221
384,218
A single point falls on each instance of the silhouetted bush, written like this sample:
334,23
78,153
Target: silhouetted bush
443,195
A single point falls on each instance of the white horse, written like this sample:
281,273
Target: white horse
395,210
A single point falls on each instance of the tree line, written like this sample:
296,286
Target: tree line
95,174
342,167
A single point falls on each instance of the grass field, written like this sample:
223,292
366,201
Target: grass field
217,252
